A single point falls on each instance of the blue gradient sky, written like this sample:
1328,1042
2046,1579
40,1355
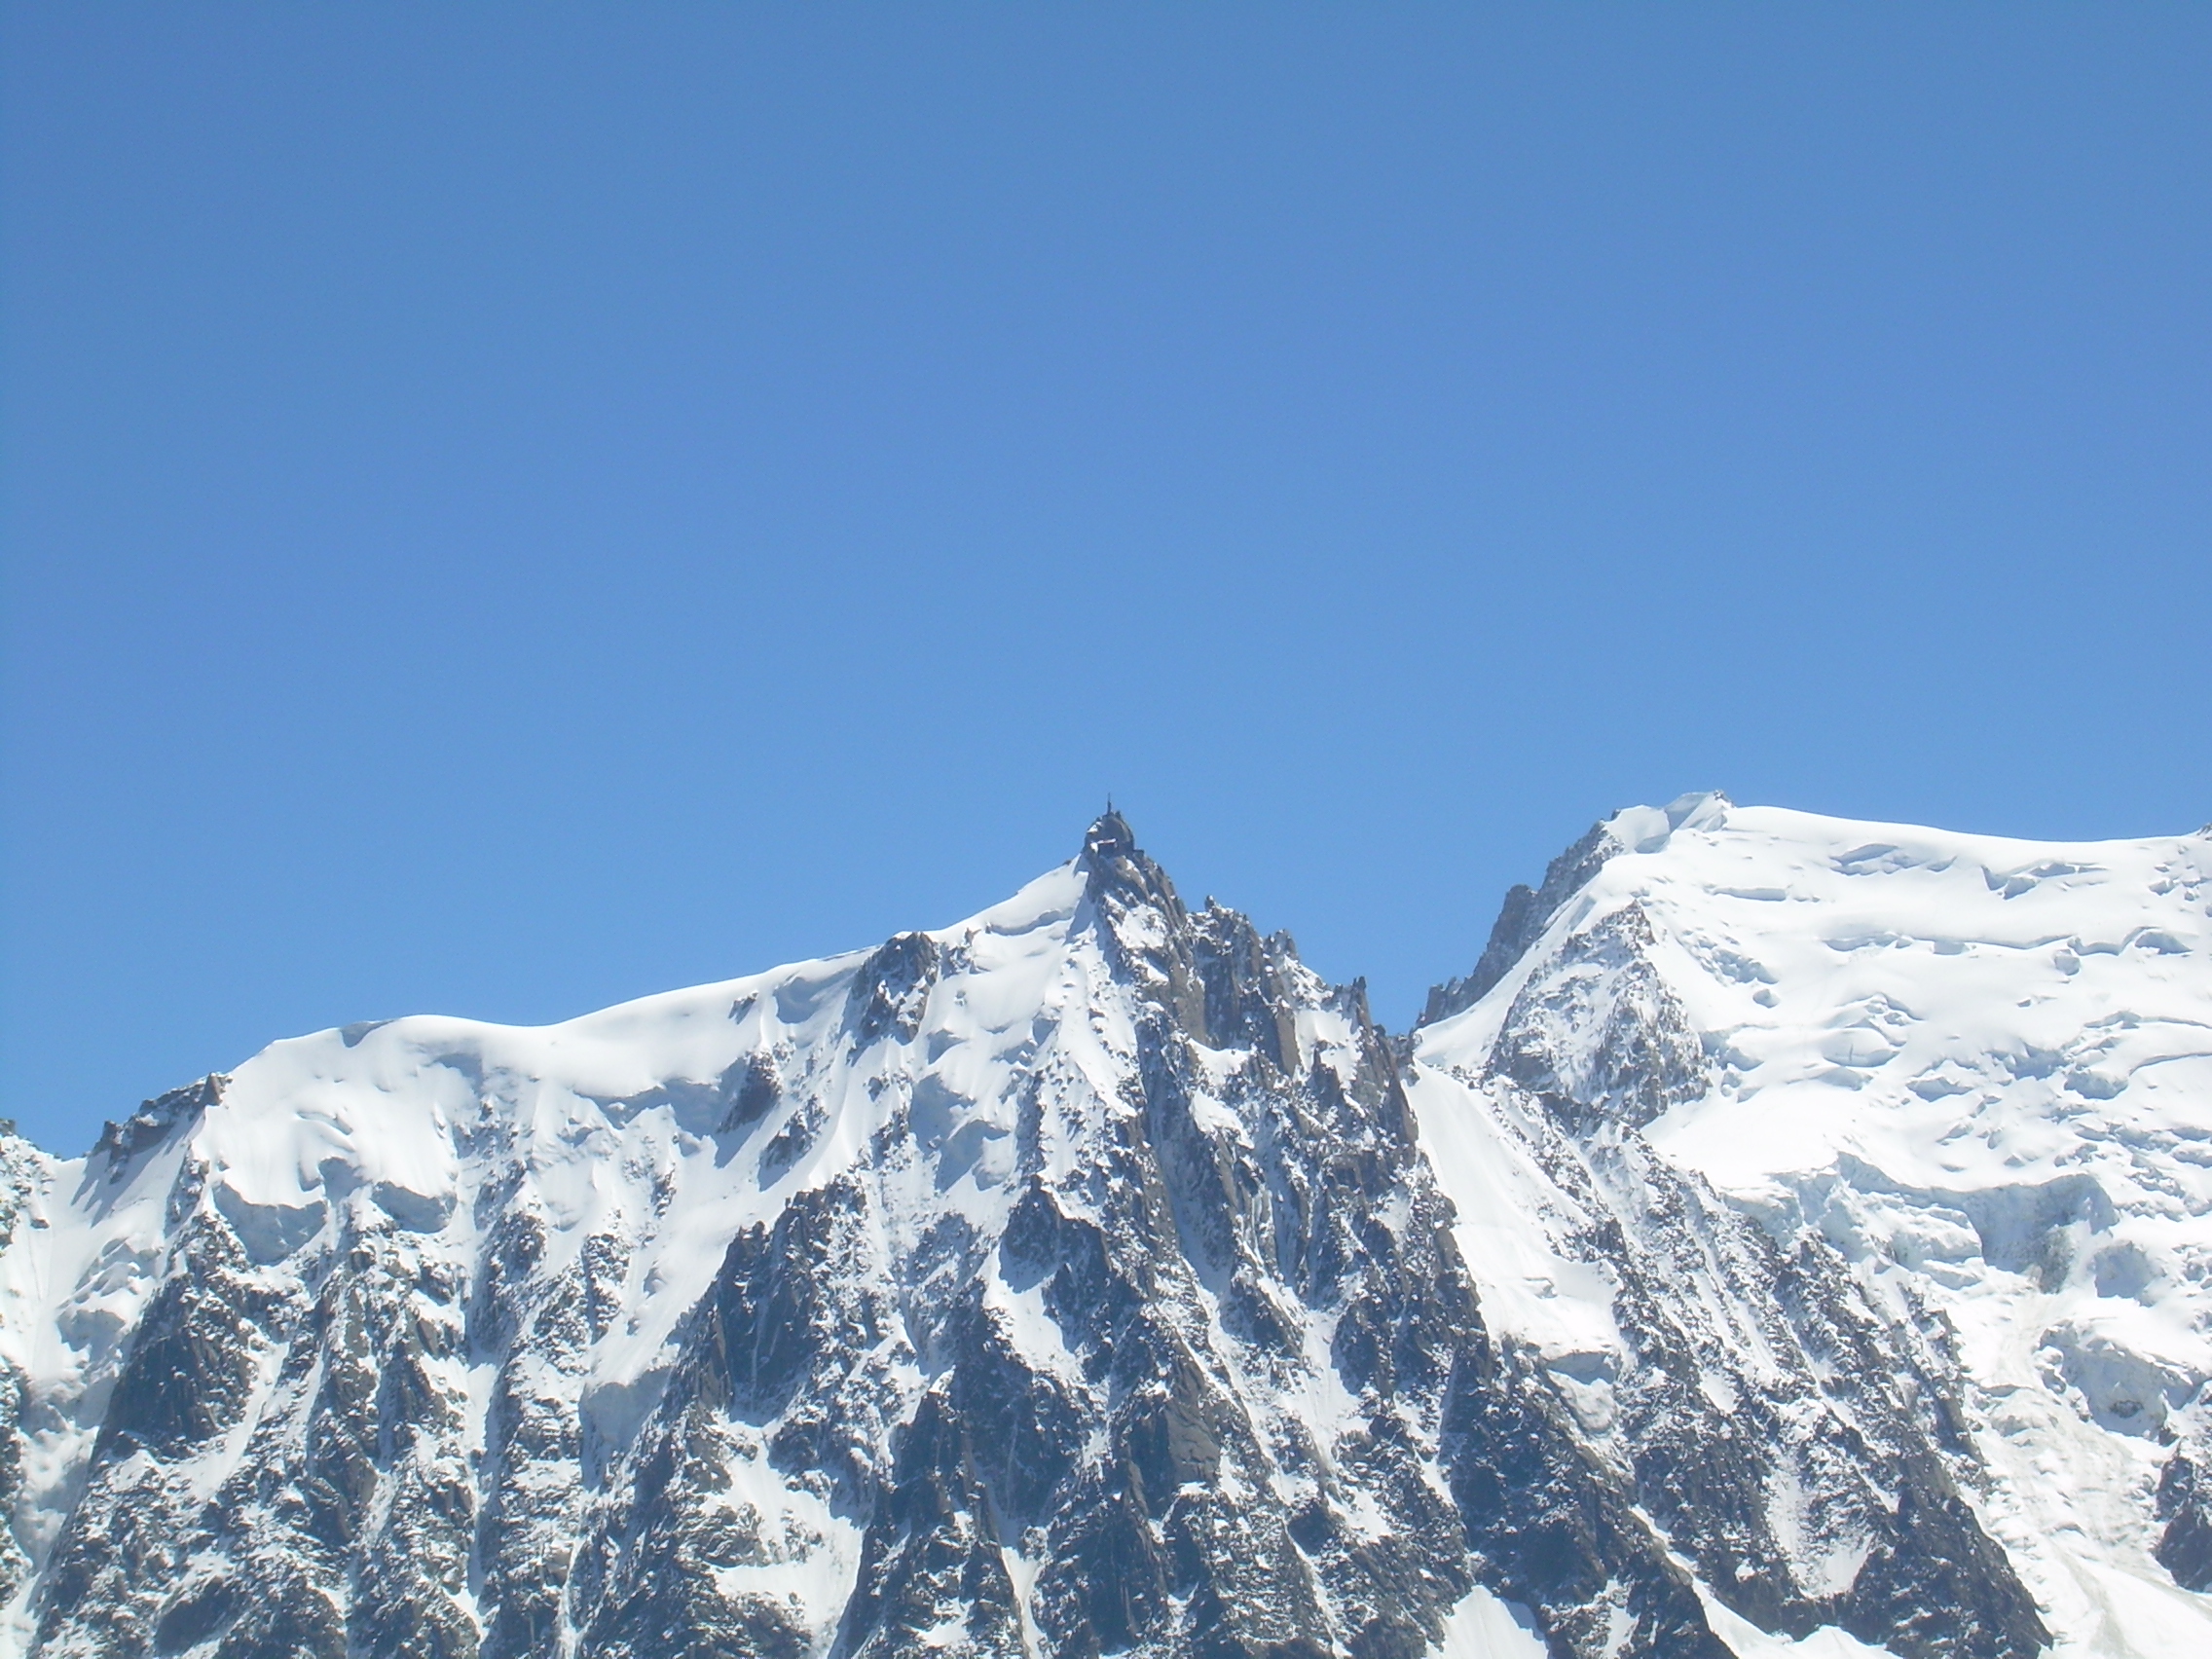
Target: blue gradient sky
508,508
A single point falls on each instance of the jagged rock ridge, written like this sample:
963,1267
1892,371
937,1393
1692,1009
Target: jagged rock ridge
1088,1277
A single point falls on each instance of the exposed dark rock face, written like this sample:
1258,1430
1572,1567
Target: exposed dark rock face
1801,1452
349,1488
1599,1035
1521,921
152,1123
2185,1505
1075,1283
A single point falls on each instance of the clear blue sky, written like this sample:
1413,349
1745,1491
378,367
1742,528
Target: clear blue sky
513,507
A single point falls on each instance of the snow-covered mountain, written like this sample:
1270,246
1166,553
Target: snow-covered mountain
1789,1239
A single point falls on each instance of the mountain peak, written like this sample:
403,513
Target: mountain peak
1109,837
1117,872
1090,1276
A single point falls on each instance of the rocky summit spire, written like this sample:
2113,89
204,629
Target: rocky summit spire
1090,1276
1120,876
1109,837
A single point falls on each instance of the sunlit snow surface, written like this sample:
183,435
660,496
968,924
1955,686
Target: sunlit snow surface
1483,1627
1982,1065
612,1119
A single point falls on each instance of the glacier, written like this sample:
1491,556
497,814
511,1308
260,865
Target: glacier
1789,1239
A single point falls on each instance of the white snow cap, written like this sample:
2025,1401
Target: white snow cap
1982,1065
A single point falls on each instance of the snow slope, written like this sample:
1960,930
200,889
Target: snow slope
1982,1070
1789,1241
983,1293
605,1132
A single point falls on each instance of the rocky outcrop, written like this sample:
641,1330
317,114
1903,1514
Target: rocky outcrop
1076,1282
